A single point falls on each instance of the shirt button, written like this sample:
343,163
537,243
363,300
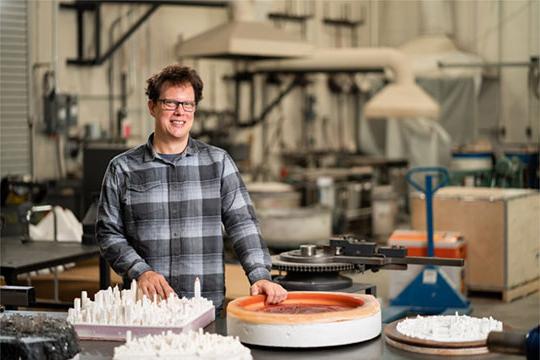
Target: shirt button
175,234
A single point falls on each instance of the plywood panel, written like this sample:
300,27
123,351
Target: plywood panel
482,226
236,282
523,216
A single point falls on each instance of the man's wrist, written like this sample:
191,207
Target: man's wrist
138,269
257,274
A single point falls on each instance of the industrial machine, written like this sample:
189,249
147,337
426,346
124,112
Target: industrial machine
317,268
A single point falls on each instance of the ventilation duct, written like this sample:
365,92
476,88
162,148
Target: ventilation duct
244,38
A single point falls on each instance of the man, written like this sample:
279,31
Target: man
162,204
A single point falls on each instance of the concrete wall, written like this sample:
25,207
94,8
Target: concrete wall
150,48
497,30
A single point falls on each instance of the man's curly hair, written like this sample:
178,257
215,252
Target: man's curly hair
175,75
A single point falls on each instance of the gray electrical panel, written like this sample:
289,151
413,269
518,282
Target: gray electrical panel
60,112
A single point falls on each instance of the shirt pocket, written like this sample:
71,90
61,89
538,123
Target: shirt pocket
147,201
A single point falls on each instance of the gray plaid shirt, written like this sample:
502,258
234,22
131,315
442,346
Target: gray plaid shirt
163,216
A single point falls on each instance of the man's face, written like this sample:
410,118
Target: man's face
173,125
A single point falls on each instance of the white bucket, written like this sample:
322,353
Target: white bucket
384,202
287,229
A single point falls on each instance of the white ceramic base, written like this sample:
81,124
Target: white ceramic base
306,335
118,332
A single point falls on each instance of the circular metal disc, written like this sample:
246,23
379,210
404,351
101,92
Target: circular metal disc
319,257
285,265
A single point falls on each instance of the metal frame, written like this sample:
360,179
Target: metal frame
299,80
255,120
81,7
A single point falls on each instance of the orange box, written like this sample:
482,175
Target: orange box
447,244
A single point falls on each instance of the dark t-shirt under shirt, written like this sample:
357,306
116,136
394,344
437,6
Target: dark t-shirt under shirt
170,157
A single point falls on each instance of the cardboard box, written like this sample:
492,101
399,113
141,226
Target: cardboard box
500,226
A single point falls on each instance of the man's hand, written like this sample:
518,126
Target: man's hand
151,282
275,293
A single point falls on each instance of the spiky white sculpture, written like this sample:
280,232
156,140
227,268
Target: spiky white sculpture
115,307
189,345
449,328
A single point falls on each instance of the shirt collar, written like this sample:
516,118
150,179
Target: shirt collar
150,153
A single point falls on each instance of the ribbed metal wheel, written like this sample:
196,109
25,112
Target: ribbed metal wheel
279,264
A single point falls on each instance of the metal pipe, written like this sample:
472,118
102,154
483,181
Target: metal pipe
271,105
128,33
264,130
60,145
56,284
54,47
80,33
429,214
237,100
487,64
32,12
198,3
252,98
358,104
345,59
110,74
122,112
97,30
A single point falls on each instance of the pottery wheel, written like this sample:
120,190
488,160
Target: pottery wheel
305,320
455,348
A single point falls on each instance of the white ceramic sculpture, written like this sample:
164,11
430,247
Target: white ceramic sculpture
115,307
449,328
186,346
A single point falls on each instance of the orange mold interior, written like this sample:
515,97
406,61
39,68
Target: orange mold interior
300,307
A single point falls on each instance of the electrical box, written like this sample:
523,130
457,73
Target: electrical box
61,111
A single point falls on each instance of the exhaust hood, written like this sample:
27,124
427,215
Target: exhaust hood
244,38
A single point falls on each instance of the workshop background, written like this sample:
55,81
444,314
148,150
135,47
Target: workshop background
298,99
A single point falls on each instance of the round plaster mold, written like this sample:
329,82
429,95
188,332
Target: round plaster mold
305,320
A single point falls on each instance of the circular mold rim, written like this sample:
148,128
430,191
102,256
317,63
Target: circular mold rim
361,306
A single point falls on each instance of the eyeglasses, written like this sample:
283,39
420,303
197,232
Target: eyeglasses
172,105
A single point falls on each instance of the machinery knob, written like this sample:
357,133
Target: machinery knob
308,250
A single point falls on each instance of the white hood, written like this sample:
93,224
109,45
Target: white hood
243,37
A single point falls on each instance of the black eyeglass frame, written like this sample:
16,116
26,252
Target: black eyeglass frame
177,104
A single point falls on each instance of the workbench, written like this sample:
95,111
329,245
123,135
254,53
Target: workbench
18,257
374,349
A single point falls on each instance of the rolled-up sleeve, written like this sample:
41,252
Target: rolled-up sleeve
241,224
110,232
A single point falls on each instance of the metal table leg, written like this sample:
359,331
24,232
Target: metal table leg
104,274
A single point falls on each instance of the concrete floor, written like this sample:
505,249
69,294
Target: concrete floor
520,314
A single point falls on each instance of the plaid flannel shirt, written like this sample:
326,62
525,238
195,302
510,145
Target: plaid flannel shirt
167,217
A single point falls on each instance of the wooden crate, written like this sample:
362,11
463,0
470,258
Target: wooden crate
500,226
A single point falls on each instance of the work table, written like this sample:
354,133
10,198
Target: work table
374,349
